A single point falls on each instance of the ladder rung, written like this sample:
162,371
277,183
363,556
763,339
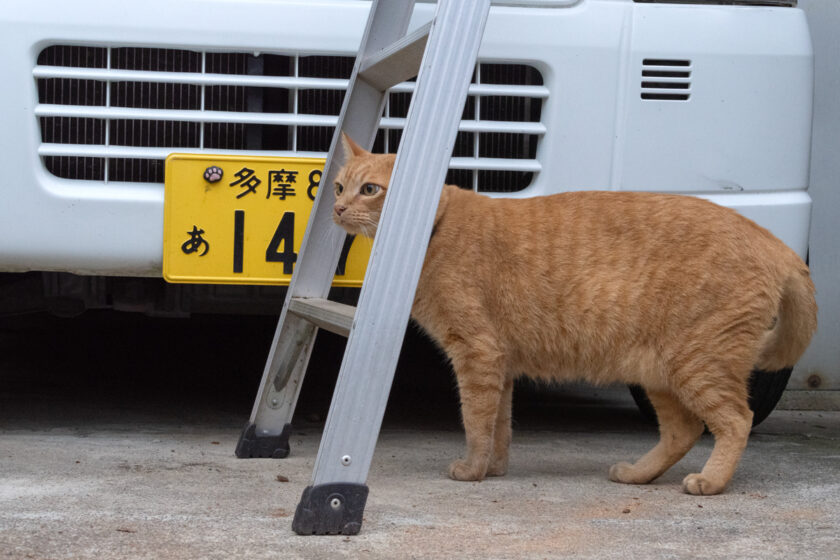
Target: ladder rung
330,315
397,62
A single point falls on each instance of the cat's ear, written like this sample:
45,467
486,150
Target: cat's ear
351,149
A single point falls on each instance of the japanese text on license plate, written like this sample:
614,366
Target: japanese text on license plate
241,220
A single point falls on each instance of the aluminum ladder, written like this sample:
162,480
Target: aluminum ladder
442,54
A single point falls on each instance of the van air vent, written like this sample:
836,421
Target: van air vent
665,79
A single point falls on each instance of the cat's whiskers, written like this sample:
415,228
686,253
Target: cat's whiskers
368,225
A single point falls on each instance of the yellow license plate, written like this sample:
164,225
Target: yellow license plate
240,220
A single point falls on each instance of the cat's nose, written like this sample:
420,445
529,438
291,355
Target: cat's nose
339,209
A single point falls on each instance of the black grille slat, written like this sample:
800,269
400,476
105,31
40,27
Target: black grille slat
504,181
664,74
66,91
72,130
172,134
325,66
666,85
224,136
666,96
136,170
155,60
510,74
314,138
150,95
155,134
73,56
665,62
85,168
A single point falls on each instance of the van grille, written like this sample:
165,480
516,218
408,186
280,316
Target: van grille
114,114
666,79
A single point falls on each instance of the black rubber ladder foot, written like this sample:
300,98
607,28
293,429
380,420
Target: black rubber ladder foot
331,509
255,446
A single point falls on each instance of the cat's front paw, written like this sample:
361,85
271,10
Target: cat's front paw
699,485
628,474
462,470
498,467
621,472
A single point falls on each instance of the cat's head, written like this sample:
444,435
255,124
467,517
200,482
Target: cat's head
360,188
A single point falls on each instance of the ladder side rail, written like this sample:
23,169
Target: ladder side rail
359,117
360,113
398,252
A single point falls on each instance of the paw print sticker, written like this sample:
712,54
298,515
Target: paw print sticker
213,174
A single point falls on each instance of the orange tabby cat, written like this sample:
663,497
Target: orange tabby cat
673,293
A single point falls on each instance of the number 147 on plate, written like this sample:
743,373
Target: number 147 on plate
241,220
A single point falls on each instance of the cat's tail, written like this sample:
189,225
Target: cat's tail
796,321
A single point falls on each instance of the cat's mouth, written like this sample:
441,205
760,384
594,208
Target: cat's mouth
355,227
341,221
350,226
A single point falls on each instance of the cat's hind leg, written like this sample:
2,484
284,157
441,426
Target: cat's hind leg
481,384
502,433
679,429
730,423
716,392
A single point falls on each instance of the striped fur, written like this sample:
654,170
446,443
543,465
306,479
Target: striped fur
676,294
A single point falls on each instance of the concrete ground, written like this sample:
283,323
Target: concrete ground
95,468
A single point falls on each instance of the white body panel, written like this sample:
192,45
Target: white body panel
819,368
742,139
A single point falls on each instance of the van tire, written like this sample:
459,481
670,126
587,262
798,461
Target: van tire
766,388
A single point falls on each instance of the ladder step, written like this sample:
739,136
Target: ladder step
397,62
326,314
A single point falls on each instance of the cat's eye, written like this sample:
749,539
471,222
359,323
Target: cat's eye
369,189
339,188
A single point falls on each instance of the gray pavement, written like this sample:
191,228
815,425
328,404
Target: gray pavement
88,479
117,435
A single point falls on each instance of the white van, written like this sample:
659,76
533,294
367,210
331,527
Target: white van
703,97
